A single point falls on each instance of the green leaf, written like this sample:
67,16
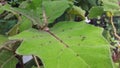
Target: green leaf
31,4
54,9
92,2
13,30
1,11
112,6
95,12
84,5
30,11
6,7
3,39
7,59
107,35
87,41
25,24
77,47
34,12
46,56
35,4
77,11
29,14
6,25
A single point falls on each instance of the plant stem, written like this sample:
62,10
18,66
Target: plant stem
66,45
114,29
36,61
44,18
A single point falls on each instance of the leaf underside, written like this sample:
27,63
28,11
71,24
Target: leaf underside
7,59
4,39
53,10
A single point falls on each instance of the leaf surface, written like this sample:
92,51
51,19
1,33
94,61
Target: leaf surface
95,12
3,39
112,6
6,57
75,46
25,24
54,9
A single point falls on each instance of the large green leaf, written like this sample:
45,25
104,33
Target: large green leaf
52,58
77,45
88,42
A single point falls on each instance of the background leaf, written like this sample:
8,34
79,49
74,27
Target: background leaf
54,9
112,6
34,13
4,39
7,59
25,24
77,11
95,12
